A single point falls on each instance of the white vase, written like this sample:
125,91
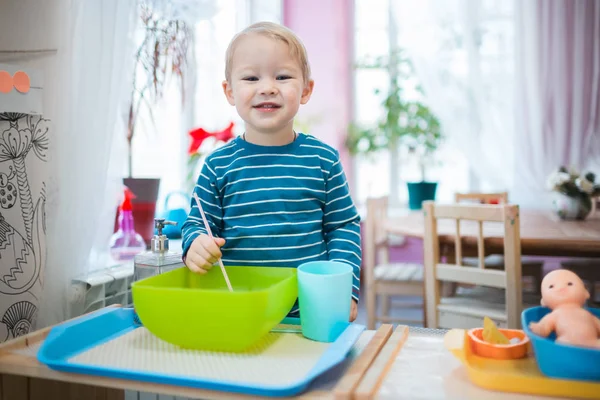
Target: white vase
570,208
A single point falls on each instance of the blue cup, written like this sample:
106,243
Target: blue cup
324,296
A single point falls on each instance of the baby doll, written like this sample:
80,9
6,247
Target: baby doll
564,293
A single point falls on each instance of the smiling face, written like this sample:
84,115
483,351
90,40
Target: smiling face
266,86
563,287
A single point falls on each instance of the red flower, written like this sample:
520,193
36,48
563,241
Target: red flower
200,134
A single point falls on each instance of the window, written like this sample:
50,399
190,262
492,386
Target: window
470,44
162,151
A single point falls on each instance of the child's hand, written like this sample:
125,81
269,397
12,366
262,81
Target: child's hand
203,253
353,310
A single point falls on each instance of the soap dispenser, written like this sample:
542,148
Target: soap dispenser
159,258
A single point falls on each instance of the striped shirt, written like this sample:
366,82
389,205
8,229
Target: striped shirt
277,206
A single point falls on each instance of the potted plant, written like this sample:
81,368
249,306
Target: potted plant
405,123
573,192
161,55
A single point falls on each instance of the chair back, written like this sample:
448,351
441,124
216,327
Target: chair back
437,272
483,198
375,234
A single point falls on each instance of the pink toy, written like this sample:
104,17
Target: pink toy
565,294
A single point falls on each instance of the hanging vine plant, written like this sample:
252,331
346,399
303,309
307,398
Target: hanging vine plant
161,55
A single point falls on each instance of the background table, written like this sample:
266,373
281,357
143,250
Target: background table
542,233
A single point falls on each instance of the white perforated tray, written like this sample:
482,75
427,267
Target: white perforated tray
284,358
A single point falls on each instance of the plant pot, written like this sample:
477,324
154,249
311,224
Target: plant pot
144,205
418,192
571,208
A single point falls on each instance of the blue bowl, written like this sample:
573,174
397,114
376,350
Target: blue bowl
557,360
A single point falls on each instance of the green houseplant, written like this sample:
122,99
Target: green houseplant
405,123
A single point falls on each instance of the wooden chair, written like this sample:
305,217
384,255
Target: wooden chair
483,198
467,313
385,279
532,268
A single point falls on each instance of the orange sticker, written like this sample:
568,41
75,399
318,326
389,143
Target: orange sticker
5,82
20,81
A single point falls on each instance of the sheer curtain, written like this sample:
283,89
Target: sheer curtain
161,140
94,63
558,91
462,54
515,83
189,11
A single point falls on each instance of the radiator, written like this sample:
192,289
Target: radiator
101,288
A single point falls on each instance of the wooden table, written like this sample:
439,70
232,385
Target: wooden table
425,369
22,377
405,363
542,233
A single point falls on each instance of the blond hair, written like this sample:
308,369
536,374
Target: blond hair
275,32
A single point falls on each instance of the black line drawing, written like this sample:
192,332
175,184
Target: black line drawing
26,260
15,144
34,295
8,191
21,256
20,317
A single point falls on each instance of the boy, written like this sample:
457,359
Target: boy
272,197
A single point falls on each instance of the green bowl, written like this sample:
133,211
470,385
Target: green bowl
198,311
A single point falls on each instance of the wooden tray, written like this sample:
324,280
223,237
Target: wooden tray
24,378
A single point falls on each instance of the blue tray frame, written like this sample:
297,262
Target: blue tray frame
66,340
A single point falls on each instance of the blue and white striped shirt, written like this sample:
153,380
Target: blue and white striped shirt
277,205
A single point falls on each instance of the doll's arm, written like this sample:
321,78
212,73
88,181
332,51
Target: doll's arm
546,325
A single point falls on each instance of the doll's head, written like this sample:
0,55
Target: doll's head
563,287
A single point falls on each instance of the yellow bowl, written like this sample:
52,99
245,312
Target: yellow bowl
198,311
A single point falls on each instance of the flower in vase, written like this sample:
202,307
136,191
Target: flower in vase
556,179
585,185
575,192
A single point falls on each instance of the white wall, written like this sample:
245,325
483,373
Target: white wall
34,25
31,33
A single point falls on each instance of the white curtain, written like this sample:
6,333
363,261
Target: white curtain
557,91
189,11
95,60
462,56
516,84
